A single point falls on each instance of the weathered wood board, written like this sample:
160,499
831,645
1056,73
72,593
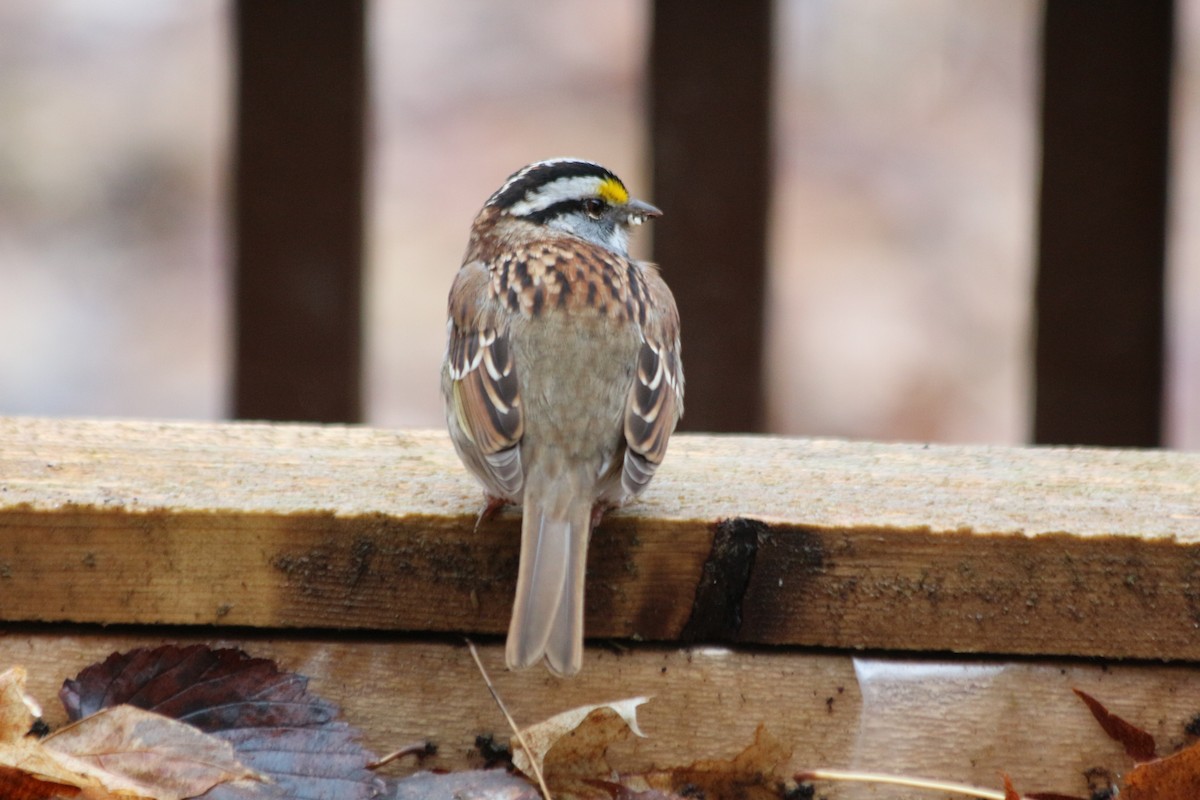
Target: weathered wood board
967,721
740,539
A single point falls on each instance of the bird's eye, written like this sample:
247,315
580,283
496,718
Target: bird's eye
593,207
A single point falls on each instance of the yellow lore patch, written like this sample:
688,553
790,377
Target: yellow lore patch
613,192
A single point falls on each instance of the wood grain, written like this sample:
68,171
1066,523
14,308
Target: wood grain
969,720
838,544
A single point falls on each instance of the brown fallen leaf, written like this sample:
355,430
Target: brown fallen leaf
123,752
570,747
28,769
276,726
1138,744
17,709
16,784
753,774
1174,777
573,749
131,750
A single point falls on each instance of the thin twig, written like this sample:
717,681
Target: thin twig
419,749
898,780
537,769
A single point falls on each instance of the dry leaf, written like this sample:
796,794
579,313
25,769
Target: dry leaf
1175,777
17,709
571,745
751,774
276,726
128,749
42,768
1138,744
26,769
122,751
572,749
16,784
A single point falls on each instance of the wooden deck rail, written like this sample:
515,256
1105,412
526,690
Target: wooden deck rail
346,552
743,539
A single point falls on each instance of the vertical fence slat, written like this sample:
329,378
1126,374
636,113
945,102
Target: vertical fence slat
298,209
710,134
1099,297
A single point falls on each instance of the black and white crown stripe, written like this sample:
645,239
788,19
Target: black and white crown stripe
546,183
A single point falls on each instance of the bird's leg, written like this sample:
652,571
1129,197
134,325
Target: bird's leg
490,509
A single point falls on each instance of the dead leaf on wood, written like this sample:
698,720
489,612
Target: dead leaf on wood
17,709
1175,777
132,750
26,769
572,749
753,774
1138,744
16,784
571,746
275,725
124,752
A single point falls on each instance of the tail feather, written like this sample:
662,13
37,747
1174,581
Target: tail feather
547,618
564,648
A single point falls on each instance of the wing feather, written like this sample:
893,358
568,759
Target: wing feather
484,394
655,401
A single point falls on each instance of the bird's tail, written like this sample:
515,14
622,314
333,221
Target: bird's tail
547,617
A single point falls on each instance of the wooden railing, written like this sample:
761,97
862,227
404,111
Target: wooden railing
351,554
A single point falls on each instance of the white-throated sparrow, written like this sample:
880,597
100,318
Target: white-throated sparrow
562,380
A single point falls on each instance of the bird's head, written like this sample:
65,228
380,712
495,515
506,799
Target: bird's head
578,197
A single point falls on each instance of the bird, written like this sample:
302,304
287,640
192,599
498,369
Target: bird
562,380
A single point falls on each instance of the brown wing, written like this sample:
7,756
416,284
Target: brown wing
484,396
655,401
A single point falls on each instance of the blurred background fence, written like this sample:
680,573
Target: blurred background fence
930,220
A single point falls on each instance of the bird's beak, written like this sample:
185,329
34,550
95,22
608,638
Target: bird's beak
639,211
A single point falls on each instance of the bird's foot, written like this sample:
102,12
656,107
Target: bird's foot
490,509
